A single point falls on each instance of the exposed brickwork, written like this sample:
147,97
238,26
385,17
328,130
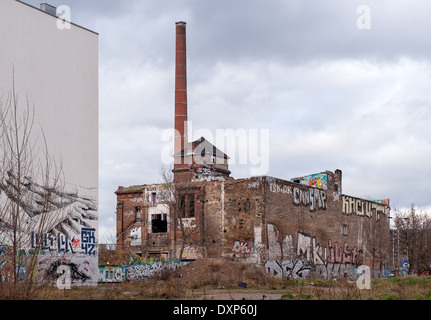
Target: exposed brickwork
284,224
263,218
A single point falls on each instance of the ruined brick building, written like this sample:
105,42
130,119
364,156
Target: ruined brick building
292,227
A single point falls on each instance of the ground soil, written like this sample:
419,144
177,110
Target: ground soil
220,272
217,279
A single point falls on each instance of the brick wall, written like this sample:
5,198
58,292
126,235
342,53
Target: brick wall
265,220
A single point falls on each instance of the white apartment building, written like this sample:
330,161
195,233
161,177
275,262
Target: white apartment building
54,65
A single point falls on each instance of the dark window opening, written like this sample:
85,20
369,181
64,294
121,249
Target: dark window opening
159,224
153,198
186,206
137,209
182,206
191,205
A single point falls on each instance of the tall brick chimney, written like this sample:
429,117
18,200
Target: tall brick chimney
181,169
180,90
188,164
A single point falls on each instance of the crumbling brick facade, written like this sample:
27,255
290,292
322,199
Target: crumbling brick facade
260,220
295,228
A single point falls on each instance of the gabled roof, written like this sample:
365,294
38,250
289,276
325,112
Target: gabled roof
200,145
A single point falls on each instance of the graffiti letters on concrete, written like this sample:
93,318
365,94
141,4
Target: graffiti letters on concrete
138,271
312,197
136,236
64,244
331,262
295,268
83,269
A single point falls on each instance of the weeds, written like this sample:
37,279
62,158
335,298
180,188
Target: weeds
222,281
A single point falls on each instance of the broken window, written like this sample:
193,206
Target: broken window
159,224
191,205
154,198
182,206
186,206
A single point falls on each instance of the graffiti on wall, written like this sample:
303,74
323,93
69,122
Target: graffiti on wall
187,223
190,253
294,268
7,271
63,244
364,208
276,188
247,251
318,180
138,271
136,236
330,262
315,198
82,269
312,197
241,247
66,222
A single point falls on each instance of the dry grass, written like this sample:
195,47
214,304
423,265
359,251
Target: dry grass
218,279
406,288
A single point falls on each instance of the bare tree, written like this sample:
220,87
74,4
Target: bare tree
414,237
378,247
30,182
181,200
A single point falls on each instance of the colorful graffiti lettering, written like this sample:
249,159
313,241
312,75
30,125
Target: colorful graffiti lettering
318,180
241,247
328,263
64,245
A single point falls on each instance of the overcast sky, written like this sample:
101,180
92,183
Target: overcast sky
334,89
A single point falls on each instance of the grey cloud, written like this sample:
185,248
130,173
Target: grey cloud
334,97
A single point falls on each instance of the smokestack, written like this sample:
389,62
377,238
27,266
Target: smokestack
181,138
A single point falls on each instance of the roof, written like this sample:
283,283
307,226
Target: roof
201,145
130,189
76,25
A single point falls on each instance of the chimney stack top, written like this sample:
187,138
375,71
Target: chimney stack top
48,8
